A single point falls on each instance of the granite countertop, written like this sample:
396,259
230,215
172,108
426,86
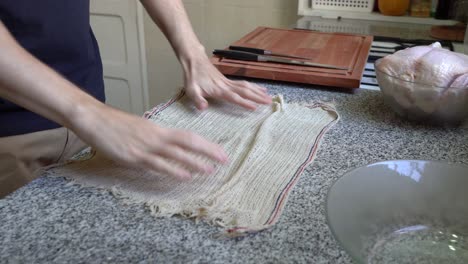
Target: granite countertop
52,221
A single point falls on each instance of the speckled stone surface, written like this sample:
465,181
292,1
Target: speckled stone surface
52,221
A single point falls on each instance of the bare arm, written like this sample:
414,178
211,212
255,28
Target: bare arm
26,81
202,79
171,18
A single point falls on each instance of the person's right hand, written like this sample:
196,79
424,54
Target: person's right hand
125,138
137,142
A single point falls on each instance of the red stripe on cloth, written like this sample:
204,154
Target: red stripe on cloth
158,109
288,188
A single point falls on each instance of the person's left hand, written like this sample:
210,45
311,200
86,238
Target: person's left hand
202,80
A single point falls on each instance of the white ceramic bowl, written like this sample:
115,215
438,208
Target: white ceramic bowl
424,102
401,212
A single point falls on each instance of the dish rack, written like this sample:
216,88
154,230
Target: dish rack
339,5
359,10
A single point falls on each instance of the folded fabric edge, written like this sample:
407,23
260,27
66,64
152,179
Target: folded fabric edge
148,114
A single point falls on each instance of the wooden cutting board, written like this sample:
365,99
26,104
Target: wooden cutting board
340,49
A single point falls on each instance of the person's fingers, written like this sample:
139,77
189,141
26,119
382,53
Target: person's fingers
261,90
251,93
196,95
235,98
264,89
195,143
160,165
199,101
253,86
181,156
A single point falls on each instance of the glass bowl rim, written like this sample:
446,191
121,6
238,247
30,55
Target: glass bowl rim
348,172
376,68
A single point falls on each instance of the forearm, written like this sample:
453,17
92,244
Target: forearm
31,84
172,19
127,139
201,79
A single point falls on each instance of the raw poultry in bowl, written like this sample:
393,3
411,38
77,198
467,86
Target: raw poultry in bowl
425,83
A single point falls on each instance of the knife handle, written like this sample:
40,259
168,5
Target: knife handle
248,49
236,55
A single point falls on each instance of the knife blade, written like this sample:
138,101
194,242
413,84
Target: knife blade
264,52
247,56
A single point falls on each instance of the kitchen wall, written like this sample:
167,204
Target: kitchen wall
217,24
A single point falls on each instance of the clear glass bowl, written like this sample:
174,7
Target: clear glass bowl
403,211
423,102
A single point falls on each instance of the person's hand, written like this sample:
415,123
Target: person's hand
124,138
203,80
136,142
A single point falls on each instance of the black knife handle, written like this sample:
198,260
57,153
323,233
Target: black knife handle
236,55
247,49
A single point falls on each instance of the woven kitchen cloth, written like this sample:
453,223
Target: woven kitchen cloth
268,150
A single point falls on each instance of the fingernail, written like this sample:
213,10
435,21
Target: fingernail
201,106
209,169
186,176
223,157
